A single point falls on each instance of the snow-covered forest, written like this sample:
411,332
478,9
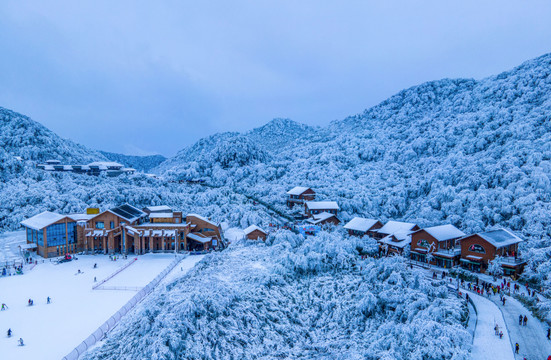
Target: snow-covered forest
474,153
292,298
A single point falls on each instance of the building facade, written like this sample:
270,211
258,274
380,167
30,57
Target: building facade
438,245
299,194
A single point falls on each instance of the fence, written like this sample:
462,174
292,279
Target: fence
113,274
113,320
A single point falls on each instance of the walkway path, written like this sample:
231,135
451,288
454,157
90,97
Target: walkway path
486,345
532,338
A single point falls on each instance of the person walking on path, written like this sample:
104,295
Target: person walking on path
520,319
548,333
517,347
525,320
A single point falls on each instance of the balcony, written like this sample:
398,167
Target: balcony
512,261
456,251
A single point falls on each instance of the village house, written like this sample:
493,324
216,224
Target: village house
300,194
394,244
393,227
254,232
317,207
324,218
478,250
360,227
439,243
123,229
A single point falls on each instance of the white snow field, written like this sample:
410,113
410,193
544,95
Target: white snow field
486,345
50,331
9,246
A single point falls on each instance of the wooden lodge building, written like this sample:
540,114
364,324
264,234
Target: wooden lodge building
394,227
123,229
360,227
254,232
478,250
441,242
312,208
300,194
324,219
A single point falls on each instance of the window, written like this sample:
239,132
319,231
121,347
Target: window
100,225
72,232
55,235
477,248
112,225
423,243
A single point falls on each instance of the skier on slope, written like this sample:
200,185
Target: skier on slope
9,332
48,300
21,342
4,307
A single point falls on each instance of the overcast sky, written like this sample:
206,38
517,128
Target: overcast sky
141,77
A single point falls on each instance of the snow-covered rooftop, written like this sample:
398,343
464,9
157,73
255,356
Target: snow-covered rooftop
198,238
360,224
252,228
320,218
81,217
444,232
159,208
161,215
203,218
40,221
106,164
500,238
392,227
297,190
322,205
399,239
127,212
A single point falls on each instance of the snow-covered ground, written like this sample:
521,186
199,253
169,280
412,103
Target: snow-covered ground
9,246
234,234
486,344
50,331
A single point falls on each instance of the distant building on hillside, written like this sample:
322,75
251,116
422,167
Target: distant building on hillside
478,250
317,207
360,226
393,227
441,242
324,218
95,168
300,194
254,232
123,229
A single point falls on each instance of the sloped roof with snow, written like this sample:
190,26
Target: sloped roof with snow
403,238
159,208
196,237
81,217
202,218
322,205
252,228
392,227
360,224
444,232
40,221
320,218
297,190
161,215
106,164
500,238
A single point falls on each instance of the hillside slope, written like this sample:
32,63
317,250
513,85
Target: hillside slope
140,163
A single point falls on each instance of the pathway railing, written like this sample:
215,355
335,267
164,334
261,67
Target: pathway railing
114,274
113,320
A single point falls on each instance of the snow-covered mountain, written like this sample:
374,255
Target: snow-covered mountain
472,152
